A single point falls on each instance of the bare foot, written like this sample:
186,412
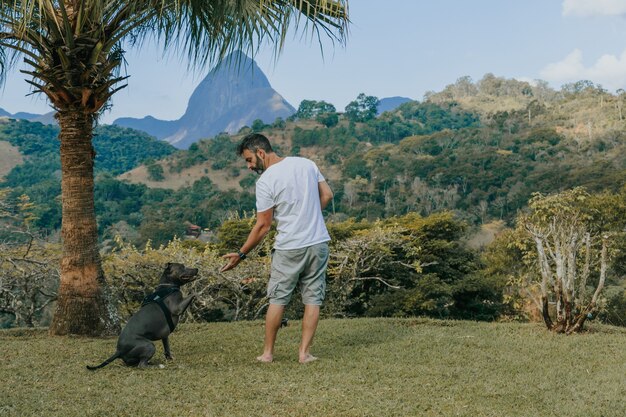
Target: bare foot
307,358
265,358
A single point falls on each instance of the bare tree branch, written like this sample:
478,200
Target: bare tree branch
375,279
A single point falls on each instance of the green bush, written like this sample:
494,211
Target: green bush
615,310
155,172
408,265
132,274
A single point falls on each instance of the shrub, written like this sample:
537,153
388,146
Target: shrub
132,274
29,279
155,172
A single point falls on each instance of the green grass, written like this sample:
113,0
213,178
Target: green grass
367,367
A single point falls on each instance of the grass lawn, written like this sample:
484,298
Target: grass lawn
367,367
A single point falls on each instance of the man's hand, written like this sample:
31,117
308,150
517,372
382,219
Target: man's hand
233,261
258,232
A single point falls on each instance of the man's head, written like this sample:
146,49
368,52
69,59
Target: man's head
254,148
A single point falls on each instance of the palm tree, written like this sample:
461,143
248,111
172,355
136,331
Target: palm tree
73,52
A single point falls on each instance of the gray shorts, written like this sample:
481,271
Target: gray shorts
306,266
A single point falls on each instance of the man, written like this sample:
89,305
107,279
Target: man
293,191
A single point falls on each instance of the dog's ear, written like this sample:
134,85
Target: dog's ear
168,266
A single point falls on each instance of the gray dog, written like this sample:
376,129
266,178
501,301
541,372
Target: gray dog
155,320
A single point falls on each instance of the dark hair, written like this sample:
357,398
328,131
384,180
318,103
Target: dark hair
254,141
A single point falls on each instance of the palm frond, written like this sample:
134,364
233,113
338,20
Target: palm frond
74,47
208,31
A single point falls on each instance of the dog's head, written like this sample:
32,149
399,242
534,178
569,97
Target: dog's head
178,274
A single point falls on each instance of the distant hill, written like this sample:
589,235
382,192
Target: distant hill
231,96
118,149
30,154
391,103
160,129
46,119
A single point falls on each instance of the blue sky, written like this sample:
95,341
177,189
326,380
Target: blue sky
405,48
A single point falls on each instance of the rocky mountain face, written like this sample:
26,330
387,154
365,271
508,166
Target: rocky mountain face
231,96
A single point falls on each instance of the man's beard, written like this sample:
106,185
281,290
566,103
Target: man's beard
259,167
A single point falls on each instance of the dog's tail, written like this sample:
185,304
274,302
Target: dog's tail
105,363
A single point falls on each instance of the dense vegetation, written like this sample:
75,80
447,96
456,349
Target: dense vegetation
412,187
117,150
458,150
401,266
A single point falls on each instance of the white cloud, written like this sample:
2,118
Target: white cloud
587,8
570,67
608,71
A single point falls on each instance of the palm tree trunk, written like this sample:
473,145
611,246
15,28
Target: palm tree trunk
82,306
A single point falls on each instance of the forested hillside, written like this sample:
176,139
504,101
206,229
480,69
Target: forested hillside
479,149
117,150
453,151
412,187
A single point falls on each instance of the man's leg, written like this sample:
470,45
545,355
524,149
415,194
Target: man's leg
313,287
272,324
309,325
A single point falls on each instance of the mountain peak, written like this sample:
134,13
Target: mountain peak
232,95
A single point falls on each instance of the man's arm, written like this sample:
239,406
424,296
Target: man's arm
326,194
258,232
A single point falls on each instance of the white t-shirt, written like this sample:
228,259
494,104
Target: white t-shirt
291,188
